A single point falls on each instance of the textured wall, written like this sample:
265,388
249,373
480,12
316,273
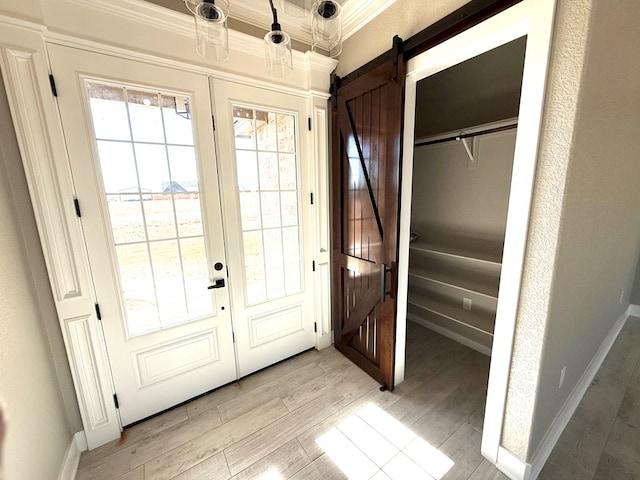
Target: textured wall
600,230
585,229
566,61
40,425
404,18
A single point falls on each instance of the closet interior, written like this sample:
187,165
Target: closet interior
465,131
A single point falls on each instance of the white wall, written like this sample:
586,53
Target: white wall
33,368
470,203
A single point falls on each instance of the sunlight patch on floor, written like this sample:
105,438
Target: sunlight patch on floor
272,474
372,445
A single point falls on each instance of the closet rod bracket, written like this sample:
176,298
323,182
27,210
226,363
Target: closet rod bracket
472,159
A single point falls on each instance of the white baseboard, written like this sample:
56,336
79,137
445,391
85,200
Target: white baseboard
634,310
568,409
77,445
512,466
448,333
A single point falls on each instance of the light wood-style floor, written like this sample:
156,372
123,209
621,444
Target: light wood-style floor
602,440
317,416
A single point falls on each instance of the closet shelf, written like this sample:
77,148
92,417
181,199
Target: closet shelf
468,281
487,255
478,320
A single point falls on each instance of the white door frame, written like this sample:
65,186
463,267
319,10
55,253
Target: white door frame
533,18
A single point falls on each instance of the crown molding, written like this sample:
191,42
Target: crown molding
357,13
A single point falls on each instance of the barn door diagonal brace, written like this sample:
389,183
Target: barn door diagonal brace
365,173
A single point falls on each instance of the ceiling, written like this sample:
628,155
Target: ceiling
482,90
254,16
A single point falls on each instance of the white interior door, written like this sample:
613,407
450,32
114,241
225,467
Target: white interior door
265,184
142,156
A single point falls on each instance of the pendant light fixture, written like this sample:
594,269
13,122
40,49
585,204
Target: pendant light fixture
212,35
326,27
278,48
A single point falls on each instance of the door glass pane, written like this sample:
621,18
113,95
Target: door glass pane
247,171
145,117
153,170
111,121
127,223
148,164
243,126
119,172
159,218
269,200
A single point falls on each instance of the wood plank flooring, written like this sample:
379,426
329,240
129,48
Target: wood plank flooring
317,416
602,440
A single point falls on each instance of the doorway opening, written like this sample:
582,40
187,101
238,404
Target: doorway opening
464,141
532,24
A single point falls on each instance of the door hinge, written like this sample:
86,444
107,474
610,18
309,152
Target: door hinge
52,83
115,400
309,123
98,314
213,122
313,265
311,198
315,327
76,204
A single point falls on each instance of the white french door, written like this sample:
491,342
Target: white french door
265,177
142,156
155,218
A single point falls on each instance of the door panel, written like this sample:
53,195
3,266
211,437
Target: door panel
366,172
265,178
142,156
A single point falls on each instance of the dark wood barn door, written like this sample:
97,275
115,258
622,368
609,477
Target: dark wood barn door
367,131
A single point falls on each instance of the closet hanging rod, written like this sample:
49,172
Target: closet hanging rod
467,135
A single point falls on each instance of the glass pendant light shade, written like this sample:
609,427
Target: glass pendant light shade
278,53
212,35
326,27
296,8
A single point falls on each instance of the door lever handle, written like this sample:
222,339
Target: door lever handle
384,269
218,283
